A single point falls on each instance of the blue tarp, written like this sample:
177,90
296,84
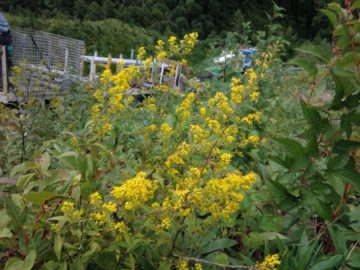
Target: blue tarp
4,25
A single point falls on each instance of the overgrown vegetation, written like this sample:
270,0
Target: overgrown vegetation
257,170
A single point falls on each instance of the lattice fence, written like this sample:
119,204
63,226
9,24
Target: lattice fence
53,51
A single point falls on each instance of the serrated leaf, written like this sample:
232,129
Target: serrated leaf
323,210
300,163
312,147
345,146
348,176
293,148
312,116
338,162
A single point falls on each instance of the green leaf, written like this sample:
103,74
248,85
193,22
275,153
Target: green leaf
356,4
280,193
5,233
39,197
346,146
338,238
348,176
312,116
323,210
338,162
347,121
300,163
29,260
305,64
219,244
328,263
44,162
312,147
331,16
354,260
221,258
316,51
14,264
293,148
266,236
22,168
58,243
14,212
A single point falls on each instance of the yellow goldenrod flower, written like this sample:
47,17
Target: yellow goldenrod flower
270,262
110,206
135,191
95,199
141,53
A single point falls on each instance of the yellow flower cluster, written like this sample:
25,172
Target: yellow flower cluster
177,158
68,209
221,101
214,125
224,160
110,206
270,262
120,227
110,99
134,192
230,134
251,118
99,217
188,42
165,131
252,139
141,53
176,50
237,90
221,197
173,47
185,107
199,135
95,199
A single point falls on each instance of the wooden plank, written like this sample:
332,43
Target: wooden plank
4,69
66,60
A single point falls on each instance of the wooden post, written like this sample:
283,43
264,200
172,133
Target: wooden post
82,64
176,75
93,67
66,60
4,69
132,54
179,78
162,73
